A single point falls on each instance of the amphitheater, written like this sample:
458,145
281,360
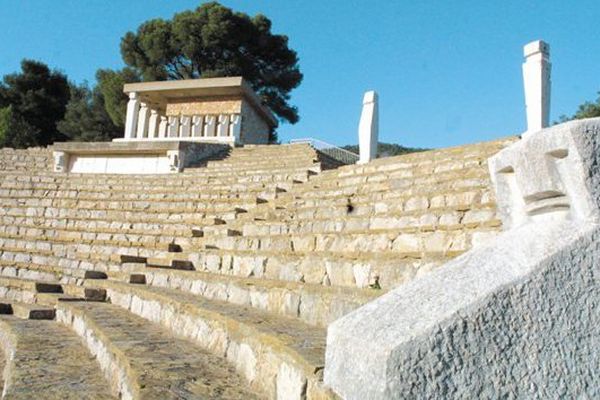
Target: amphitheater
185,286
277,271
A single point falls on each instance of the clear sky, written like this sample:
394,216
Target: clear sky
447,72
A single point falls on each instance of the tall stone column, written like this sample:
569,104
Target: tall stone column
536,80
153,125
235,126
223,125
197,125
131,120
162,126
368,128
143,121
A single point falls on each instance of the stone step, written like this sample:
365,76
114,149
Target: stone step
30,291
282,357
26,311
342,207
349,269
143,361
404,242
139,220
46,272
433,219
314,304
126,196
46,360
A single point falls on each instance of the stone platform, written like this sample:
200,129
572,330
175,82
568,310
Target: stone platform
131,157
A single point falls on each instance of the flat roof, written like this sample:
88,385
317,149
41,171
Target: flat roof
162,92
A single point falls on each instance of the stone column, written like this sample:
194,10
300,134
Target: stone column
184,126
173,128
536,80
235,127
162,127
209,125
143,121
223,126
368,128
131,119
153,125
197,125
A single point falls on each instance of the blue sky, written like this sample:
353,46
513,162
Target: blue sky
447,72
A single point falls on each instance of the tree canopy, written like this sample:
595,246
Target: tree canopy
586,110
215,41
86,118
386,149
38,98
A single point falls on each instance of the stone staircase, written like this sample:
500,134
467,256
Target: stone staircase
219,282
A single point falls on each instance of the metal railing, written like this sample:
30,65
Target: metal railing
331,150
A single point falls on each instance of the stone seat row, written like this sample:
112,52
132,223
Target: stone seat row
433,219
314,304
97,193
276,355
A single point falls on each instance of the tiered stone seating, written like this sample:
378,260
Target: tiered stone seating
237,265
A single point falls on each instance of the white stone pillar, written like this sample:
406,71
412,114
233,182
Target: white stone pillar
197,126
143,121
173,128
184,126
210,123
131,119
536,80
162,126
61,161
235,126
153,125
223,126
368,128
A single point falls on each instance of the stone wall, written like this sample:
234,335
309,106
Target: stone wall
254,129
210,106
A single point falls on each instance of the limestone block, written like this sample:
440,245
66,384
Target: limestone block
291,383
407,243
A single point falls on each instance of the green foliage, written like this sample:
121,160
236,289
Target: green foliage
585,110
110,84
386,149
215,41
15,131
38,97
86,119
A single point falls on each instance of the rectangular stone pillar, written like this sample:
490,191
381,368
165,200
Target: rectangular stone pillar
131,118
210,124
197,125
235,126
153,125
536,80
184,126
173,127
368,128
162,127
143,121
223,126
